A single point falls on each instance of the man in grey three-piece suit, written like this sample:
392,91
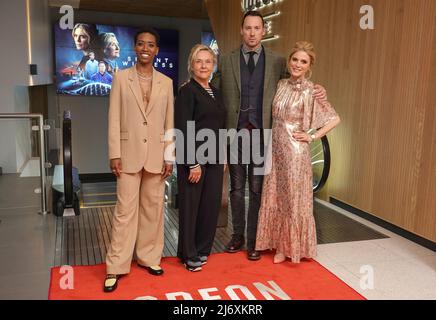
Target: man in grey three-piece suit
248,79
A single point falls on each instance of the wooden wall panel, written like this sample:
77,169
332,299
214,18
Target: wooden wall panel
225,17
382,82
426,193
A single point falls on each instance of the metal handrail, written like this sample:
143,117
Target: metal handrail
41,149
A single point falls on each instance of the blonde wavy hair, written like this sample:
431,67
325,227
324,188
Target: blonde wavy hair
107,40
306,47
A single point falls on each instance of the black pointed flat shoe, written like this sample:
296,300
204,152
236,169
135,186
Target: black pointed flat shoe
110,283
155,270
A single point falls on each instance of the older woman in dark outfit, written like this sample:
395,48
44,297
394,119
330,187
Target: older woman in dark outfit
199,182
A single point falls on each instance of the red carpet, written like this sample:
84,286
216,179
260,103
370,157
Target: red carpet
225,276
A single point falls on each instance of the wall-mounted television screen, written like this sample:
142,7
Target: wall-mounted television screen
88,56
208,39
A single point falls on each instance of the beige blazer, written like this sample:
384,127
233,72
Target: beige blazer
136,135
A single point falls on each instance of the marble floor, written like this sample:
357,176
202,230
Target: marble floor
382,269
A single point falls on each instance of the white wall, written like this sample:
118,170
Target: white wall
41,42
15,135
14,72
23,132
89,114
89,132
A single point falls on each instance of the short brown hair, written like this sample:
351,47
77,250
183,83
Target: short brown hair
252,13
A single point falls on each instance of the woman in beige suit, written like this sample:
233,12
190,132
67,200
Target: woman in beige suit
140,112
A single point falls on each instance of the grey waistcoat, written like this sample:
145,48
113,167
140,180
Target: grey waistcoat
252,93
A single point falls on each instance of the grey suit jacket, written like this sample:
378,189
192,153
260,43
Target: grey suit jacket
228,80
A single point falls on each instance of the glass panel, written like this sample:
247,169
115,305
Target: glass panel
171,189
53,140
20,185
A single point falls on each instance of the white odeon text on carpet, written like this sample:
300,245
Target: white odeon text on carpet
269,291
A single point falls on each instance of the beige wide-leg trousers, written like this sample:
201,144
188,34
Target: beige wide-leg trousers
138,219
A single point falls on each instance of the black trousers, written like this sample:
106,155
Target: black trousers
199,206
238,177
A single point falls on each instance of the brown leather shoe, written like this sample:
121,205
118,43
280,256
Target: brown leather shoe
235,244
253,255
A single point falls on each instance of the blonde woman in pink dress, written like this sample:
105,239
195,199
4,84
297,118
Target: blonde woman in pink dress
286,222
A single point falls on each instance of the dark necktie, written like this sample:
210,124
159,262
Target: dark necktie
251,61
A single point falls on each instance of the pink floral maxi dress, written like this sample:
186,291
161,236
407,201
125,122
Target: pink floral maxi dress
286,220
